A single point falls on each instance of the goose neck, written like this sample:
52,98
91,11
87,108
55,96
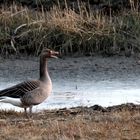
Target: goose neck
44,75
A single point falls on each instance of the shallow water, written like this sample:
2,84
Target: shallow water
86,93
82,81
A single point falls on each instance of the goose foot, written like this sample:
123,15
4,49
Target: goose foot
28,115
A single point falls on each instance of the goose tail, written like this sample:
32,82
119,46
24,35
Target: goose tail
10,100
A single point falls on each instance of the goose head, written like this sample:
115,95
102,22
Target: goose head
47,53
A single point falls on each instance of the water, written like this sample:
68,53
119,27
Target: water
86,93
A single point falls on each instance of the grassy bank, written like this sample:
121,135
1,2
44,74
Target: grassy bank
68,30
119,122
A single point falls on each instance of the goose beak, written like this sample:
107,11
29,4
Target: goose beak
54,54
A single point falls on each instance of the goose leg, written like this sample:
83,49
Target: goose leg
28,115
25,111
30,110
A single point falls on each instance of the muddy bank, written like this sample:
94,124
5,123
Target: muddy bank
81,68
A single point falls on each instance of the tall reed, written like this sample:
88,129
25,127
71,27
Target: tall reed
83,30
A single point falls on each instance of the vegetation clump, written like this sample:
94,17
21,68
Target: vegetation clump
82,29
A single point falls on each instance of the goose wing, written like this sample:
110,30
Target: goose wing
20,89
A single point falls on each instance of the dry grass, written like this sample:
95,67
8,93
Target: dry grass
68,30
76,123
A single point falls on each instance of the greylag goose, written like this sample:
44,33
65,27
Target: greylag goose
32,92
